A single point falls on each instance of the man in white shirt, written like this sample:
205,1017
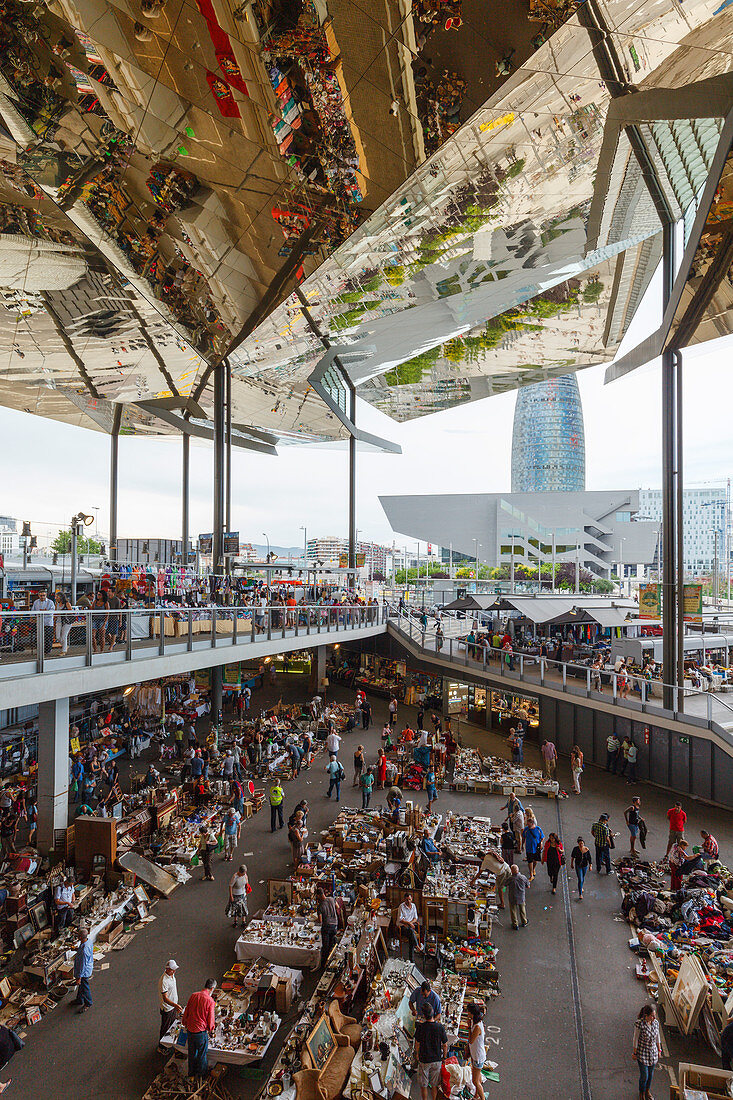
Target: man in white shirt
495,863
422,739
42,603
407,919
168,997
333,743
64,900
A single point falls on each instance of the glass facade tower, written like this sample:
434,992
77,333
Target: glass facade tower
548,441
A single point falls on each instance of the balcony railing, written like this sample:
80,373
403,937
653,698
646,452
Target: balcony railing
49,638
632,690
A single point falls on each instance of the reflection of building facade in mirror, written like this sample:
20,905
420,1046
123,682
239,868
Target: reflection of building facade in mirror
548,442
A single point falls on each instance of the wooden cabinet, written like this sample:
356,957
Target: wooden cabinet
95,836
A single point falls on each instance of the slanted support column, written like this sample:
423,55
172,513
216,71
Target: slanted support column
114,453
352,483
53,770
185,494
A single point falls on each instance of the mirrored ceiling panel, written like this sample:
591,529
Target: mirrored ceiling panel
705,309
182,164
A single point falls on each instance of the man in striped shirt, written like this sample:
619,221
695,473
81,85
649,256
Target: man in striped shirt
710,849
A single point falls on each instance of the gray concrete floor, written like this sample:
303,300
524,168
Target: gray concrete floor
111,1051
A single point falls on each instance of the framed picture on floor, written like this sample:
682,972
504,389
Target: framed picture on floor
321,1043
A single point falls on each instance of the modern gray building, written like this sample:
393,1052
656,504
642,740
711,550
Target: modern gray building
598,527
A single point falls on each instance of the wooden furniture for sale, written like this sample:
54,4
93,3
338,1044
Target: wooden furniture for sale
94,836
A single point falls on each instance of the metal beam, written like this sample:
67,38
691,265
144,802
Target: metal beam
228,482
669,499
114,454
185,485
201,431
219,425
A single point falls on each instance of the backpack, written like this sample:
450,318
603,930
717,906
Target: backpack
340,774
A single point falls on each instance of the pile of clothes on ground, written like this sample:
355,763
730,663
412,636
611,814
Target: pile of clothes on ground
696,919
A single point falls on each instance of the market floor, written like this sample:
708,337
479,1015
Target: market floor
544,1032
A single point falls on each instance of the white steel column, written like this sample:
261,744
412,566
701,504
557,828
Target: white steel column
53,770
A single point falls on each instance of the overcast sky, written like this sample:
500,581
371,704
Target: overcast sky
53,470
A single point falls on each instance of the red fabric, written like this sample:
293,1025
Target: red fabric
546,849
677,819
222,46
198,1014
225,101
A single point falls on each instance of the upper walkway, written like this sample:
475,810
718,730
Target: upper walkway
74,653
571,681
79,652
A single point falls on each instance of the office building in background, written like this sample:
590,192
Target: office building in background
704,512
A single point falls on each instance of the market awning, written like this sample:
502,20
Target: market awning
32,575
608,617
471,603
568,609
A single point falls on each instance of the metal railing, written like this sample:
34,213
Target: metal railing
531,668
50,638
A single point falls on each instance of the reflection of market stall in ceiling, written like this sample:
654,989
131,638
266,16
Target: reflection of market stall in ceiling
245,132
514,225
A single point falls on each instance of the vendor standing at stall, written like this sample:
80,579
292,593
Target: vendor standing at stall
407,918
423,996
328,918
168,998
64,900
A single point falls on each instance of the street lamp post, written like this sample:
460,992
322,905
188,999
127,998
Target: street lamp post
78,522
511,568
305,544
716,600
267,571
553,562
577,568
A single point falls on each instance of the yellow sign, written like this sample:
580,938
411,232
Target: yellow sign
495,123
344,561
650,601
692,603
74,744
232,675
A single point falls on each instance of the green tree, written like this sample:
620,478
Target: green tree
62,544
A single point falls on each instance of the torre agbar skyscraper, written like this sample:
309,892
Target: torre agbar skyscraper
548,440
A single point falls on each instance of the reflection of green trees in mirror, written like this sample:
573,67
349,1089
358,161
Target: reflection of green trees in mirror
411,371
473,348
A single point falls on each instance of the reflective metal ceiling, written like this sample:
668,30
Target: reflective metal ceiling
163,161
